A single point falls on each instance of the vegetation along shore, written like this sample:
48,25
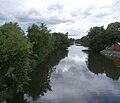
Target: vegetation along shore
20,53
103,40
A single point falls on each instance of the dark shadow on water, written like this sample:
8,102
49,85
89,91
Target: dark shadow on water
40,82
40,79
98,63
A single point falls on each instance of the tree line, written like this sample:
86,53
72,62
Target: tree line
20,53
98,37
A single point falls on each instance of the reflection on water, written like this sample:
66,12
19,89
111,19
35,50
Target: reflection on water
73,82
73,76
98,63
40,79
116,62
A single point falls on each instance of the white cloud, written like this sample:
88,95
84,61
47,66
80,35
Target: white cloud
73,16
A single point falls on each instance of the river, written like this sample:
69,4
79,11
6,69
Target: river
73,76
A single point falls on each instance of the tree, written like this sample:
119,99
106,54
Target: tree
96,38
84,41
98,43
61,40
112,33
99,38
42,41
14,53
95,31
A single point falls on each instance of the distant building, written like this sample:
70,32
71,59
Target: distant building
116,46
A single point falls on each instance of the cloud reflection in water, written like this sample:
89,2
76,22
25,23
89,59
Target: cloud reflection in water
73,82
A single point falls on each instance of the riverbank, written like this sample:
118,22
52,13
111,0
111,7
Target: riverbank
110,52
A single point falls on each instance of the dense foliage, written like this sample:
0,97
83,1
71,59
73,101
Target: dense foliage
44,42
84,41
14,54
19,54
98,38
60,40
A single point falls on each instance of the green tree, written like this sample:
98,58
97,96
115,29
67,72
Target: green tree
42,41
61,40
99,38
96,36
112,33
98,43
84,41
14,54
95,31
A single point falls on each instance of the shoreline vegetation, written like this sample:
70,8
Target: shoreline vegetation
20,53
99,38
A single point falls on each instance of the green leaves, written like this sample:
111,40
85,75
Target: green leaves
39,37
45,42
61,40
14,53
19,55
99,38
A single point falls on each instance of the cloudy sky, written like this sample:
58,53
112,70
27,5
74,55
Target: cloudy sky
72,16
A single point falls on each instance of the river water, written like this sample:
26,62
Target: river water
74,76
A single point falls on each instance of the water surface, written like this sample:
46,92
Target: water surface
73,76
81,77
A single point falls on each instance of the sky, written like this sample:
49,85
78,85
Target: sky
72,16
